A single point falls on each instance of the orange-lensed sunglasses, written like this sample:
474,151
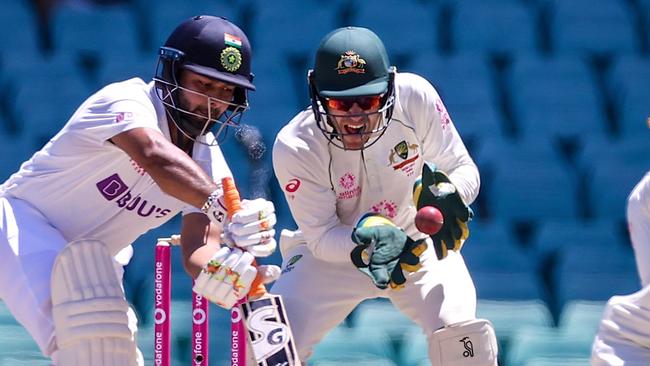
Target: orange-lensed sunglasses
344,105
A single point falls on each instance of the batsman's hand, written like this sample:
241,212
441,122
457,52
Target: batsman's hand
251,228
384,250
434,188
227,277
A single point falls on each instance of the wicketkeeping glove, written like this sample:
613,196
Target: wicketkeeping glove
383,250
434,188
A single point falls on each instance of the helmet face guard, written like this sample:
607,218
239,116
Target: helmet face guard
187,122
325,118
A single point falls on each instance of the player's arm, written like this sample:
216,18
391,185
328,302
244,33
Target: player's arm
173,170
200,240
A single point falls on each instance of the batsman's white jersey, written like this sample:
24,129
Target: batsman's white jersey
624,334
328,189
81,186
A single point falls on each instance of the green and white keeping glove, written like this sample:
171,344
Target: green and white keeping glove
435,189
383,250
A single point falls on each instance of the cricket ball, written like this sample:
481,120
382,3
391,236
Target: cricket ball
429,220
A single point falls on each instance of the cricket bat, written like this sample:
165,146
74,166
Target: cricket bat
266,322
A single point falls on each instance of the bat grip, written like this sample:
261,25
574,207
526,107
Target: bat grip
233,204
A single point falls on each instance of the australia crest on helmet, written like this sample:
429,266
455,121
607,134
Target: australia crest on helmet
350,61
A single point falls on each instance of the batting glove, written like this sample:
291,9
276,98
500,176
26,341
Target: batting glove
251,228
384,250
434,188
227,277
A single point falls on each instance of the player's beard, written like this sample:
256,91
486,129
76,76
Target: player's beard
196,122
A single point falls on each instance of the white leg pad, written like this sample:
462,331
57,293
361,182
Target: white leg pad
90,311
470,343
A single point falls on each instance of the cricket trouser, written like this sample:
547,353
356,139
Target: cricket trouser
29,244
318,295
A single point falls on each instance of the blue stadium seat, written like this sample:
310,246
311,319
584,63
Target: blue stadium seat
114,69
6,318
13,152
532,343
579,27
350,345
489,233
545,191
160,17
581,317
97,30
484,25
16,342
628,82
415,352
594,274
297,27
23,44
495,149
464,83
407,28
563,360
496,257
521,285
380,315
633,149
553,236
608,185
555,97
509,317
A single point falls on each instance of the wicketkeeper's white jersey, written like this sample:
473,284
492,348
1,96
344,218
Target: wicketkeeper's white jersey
89,188
328,188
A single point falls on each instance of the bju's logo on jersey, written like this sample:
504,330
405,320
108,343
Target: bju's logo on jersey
114,188
403,156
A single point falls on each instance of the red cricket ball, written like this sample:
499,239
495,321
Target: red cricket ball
429,220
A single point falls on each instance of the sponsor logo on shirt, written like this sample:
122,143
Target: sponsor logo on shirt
121,116
291,262
114,189
444,115
349,183
403,156
385,207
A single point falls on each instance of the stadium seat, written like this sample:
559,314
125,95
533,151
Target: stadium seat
484,25
16,342
594,274
555,97
160,17
473,109
380,315
553,236
537,342
496,257
609,183
545,191
407,28
13,152
414,352
114,69
508,317
628,82
579,27
633,149
297,27
514,285
18,15
6,318
564,361
95,30
581,317
489,233
349,345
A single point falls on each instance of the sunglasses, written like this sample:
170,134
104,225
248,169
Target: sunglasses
344,105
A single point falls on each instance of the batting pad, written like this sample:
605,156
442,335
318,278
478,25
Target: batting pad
470,343
89,309
269,331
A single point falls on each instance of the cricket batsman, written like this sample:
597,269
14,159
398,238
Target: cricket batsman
374,146
131,157
624,334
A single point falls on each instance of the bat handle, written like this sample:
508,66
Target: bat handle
233,204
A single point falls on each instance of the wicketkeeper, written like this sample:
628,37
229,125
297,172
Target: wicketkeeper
348,166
